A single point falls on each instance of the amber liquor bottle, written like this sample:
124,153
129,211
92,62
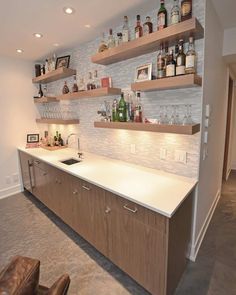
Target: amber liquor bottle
138,28
186,9
147,26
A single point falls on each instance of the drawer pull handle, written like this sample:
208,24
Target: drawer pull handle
108,210
85,187
45,173
37,162
129,209
75,192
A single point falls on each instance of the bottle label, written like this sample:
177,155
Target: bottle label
175,18
170,70
190,61
137,35
145,29
125,36
186,8
180,70
161,21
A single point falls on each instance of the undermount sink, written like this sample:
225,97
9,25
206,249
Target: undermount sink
70,161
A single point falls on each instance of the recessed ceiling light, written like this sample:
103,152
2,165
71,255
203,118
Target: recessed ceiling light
19,50
87,26
56,44
68,10
38,35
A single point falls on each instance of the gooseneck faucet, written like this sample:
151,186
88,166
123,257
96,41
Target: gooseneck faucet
68,137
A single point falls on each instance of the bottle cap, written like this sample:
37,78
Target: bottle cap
138,17
110,31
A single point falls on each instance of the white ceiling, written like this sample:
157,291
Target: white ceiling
226,10
19,19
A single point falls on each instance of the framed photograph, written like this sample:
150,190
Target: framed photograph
143,73
32,138
63,62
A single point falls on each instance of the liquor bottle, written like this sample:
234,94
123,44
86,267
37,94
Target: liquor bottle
103,45
180,59
75,86
175,13
147,26
138,116
40,93
115,111
162,16
119,39
161,64
53,64
191,58
82,86
60,140
90,82
96,79
111,40
125,30
138,29
65,88
46,66
171,65
166,56
122,109
176,51
186,9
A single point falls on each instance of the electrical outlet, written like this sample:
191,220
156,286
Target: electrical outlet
163,153
15,178
133,148
8,180
181,156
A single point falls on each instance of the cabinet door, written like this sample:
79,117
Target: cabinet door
26,170
41,184
89,214
136,245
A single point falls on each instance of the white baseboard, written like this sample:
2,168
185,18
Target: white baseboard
7,192
195,248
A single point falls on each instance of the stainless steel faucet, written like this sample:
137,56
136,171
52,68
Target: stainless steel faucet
68,137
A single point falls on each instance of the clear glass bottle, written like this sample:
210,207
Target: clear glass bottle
175,13
161,63
96,79
147,26
75,86
103,45
115,111
90,81
119,39
138,116
191,58
111,40
138,29
180,59
125,30
162,16
171,65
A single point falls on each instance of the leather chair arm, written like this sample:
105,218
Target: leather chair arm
61,286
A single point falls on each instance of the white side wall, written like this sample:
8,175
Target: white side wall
229,48
17,113
233,149
214,94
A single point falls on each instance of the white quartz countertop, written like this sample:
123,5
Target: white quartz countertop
154,189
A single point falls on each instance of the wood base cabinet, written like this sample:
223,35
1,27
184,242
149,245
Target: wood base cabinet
148,246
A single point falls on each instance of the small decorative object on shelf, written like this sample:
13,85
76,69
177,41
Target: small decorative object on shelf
143,73
191,58
186,9
125,30
138,29
32,138
175,13
63,62
65,88
75,86
106,82
147,26
103,45
111,40
162,16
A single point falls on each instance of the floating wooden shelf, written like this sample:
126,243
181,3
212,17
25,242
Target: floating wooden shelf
151,42
54,75
106,91
45,99
57,121
184,81
178,129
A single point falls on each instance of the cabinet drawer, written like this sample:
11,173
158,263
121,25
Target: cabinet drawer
142,214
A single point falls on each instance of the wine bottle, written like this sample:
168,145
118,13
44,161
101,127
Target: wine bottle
180,60
138,28
122,109
162,16
171,65
191,58
125,30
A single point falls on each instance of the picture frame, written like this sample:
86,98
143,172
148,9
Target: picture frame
32,138
63,62
143,73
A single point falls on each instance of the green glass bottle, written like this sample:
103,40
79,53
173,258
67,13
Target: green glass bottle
162,16
122,109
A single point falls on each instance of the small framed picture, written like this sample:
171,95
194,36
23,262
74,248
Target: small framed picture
143,73
63,62
32,138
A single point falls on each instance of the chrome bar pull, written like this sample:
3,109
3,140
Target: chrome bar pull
75,192
129,209
85,187
108,210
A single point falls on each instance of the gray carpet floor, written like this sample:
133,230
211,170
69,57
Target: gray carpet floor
28,228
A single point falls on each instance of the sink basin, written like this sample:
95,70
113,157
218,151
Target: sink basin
70,161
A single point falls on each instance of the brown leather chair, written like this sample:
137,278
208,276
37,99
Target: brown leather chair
21,277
